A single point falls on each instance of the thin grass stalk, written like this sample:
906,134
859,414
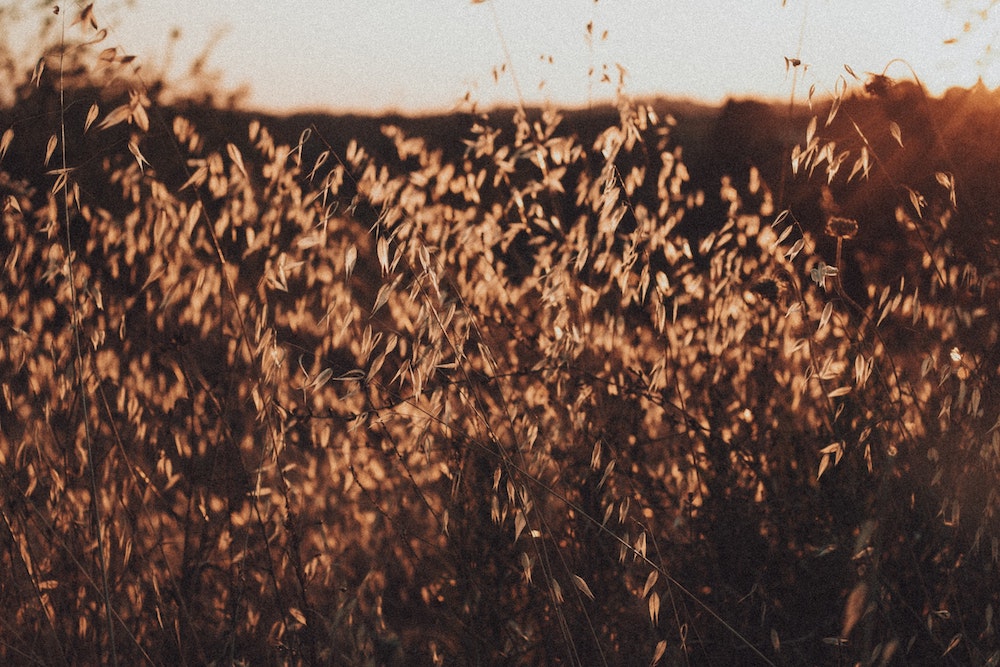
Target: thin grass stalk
102,555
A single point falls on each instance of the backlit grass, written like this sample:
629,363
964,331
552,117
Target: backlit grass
350,409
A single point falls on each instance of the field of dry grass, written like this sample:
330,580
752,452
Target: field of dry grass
365,409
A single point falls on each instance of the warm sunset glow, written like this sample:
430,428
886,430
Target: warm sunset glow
415,56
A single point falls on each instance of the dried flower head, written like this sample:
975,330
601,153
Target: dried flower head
878,85
842,228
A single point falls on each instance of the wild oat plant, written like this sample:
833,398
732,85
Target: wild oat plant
288,404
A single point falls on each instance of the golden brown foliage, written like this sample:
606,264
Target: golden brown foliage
311,407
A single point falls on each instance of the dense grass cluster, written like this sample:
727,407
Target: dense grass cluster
268,403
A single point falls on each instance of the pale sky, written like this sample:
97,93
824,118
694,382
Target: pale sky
424,55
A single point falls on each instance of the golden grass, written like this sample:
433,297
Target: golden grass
363,410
